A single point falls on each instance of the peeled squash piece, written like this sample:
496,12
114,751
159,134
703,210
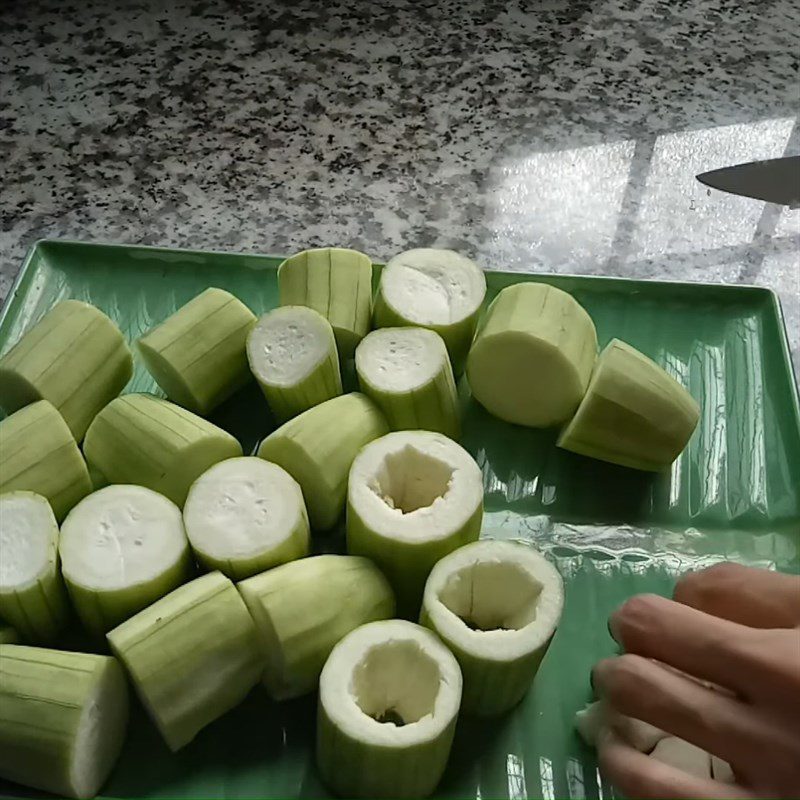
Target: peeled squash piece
532,356
8,635
245,515
317,448
142,439
192,656
292,354
413,497
32,595
437,289
388,701
496,605
336,283
62,719
683,755
407,372
39,454
197,355
75,357
646,738
122,548
633,414
303,609
640,735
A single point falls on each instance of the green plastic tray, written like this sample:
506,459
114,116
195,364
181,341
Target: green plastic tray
612,532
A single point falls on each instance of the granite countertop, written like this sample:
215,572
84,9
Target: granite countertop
556,135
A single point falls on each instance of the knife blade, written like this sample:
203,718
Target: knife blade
775,181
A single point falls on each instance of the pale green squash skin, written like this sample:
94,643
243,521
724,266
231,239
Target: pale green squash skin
166,448
318,447
38,612
75,357
335,282
197,355
192,656
38,453
44,696
634,413
532,357
304,608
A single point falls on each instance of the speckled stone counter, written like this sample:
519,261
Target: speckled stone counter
554,135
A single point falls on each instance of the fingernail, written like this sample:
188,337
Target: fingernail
591,678
613,628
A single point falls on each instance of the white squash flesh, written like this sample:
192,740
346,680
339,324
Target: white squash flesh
640,735
431,288
292,354
407,373
388,702
683,755
413,497
121,549
496,605
245,515
32,594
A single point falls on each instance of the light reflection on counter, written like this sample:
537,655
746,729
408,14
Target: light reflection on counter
679,214
546,776
515,770
575,784
559,207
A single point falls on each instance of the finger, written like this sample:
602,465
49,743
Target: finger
638,776
752,663
759,598
719,724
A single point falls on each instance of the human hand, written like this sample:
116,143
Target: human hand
735,633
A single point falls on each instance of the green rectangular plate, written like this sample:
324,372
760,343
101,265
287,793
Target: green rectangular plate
612,532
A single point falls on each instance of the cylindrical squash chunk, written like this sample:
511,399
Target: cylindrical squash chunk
431,288
39,454
62,719
192,656
412,498
496,605
75,357
32,595
245,515
142,439
303,609
335,282
532,356
407,373
633,414
388,701
292,354
197,355
122,548
318,447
